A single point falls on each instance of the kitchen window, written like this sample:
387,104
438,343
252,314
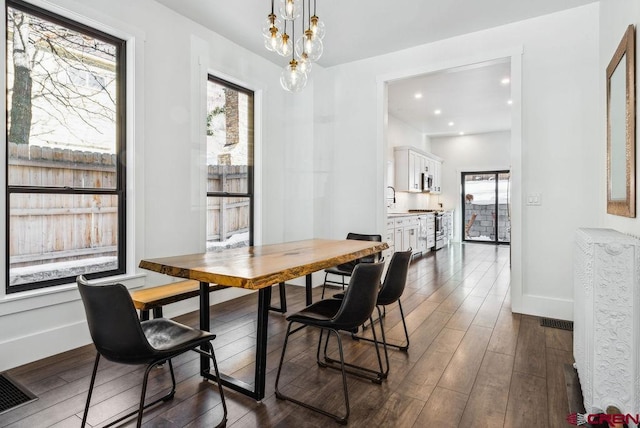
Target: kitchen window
65,164
229,165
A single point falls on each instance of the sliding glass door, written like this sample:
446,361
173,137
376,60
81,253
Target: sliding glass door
486,210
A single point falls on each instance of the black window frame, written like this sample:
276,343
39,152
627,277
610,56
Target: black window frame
250,194
121,143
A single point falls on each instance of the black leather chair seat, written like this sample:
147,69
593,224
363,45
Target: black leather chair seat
167,335
320,313
340,270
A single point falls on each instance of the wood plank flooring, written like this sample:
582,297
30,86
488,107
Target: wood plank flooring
471,362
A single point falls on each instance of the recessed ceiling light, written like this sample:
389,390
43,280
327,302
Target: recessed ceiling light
451,124
505,81
509,102
418,95
460,133
437,111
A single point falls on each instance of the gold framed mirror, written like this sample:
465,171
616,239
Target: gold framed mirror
621,128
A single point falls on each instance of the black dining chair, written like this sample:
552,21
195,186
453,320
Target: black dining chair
119,336
390,292
344,270
333,315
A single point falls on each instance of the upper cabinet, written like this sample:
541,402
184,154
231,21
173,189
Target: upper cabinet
437,177
409,166
417,171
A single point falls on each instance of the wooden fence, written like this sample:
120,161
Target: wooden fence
46,228
227,216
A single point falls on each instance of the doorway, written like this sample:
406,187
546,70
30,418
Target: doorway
486,206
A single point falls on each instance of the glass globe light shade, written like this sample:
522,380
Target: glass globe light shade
271,21
317,27
271,43
284,46
311,46
304,64
290,9
292,78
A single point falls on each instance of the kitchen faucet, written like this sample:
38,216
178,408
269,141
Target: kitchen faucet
394,193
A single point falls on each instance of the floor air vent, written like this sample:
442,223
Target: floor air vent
12,394
561,324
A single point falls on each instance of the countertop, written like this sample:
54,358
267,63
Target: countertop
406,214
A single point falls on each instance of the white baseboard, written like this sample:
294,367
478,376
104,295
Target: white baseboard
45,343
561,309
42,344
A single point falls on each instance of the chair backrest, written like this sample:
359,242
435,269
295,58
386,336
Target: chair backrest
360,297
366,259
113,323
396,278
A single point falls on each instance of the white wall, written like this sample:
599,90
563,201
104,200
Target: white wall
480,152
615,16
555,136
167,150
400,133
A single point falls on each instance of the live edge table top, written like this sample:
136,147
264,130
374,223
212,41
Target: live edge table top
262,266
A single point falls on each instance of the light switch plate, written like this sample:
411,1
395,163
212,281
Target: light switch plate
534,199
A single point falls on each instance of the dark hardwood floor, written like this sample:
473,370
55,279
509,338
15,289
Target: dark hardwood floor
471,363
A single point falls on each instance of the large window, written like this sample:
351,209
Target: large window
65,149
229,165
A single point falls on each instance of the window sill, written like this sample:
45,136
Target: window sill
60,294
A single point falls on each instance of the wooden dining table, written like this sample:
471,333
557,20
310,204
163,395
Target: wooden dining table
258,268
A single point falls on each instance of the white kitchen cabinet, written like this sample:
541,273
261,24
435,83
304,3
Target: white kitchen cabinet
437,177
426,232
410,238
431,230
422,233
434,166
405,232
410,165
398,237
390,239
447,226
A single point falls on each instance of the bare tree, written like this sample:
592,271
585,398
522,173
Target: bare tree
20,128
54,73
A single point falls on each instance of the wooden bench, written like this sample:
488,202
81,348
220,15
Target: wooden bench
154,298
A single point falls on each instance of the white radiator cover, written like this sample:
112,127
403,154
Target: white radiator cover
606,336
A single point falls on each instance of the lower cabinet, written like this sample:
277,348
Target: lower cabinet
390,239
426,235
447,226
431,231
405,232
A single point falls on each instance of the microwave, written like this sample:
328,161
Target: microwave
427,182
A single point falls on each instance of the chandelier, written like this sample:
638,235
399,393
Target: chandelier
279,33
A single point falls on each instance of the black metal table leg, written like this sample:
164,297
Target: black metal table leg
308,284
205,324
264,297
283,300
257,391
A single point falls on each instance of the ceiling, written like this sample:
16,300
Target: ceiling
468,100
358,29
